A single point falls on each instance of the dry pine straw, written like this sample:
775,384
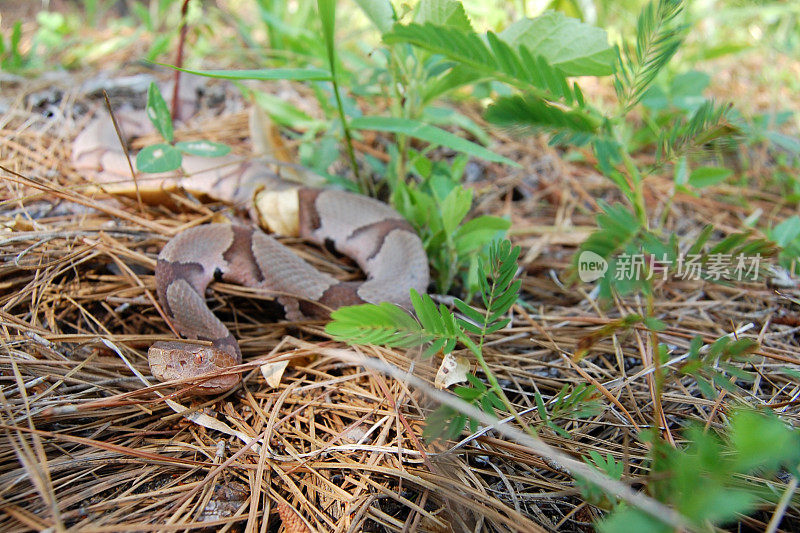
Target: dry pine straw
88,444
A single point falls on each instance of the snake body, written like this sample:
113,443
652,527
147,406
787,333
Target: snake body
370,232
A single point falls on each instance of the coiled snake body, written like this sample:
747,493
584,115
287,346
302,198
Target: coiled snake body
373,234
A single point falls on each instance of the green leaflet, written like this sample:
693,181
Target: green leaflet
491,57
160,157
530,110
295,74
203,148
431,134
158,113
658,37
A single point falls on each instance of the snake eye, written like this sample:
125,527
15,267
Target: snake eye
198,359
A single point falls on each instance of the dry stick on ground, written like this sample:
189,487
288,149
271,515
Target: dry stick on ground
574,467
72,196
54,344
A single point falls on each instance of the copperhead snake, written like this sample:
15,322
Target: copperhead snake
375,236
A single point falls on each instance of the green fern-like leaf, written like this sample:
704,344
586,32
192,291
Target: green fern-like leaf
390,325
536,113
499,291
708,123
383,324
618,228
491,57
438,322
658,37
387,324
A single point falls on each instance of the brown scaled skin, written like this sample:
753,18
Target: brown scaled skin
368,231
170,360
373,234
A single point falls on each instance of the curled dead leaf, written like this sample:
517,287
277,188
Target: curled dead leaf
452,370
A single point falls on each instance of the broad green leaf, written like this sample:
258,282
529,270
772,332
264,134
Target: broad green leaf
578,49
790,143
468,394
158,158
446,116
380,12
724,504
706,388
786,232
428,133
654,324
496,401
487,406
706,176
625,519
159,115
763,441
203,148
456,426
294,74
285,113
443,13
455,207
479,231
476,382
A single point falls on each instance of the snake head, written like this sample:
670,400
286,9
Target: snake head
195,363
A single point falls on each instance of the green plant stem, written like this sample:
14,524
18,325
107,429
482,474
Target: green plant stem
636,180
639,205
363,182
327,13
403,104
666,208
495,387
658,372
477,350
